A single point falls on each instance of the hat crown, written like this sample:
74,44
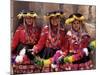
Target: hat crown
75,16
54,14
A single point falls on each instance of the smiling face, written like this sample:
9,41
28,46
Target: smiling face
55,21
29,20
76,25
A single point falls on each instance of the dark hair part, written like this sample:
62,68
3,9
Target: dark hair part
76,14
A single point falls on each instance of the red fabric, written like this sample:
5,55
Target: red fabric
43,42
21,36
26,60
76,46
85,41
16,37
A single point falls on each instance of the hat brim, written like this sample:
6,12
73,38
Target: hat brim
70,20
34,15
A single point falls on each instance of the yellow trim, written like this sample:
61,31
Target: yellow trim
56,14
35,15
82,18
25,15
70,20
31,15
79,18
19,15
51,15
46,17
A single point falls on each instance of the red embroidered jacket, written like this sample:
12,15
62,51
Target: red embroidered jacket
47,41
22,36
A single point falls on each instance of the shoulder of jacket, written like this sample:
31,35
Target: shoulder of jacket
21,27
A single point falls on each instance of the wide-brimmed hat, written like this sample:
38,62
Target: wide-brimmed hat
54,14
73,17
27,14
